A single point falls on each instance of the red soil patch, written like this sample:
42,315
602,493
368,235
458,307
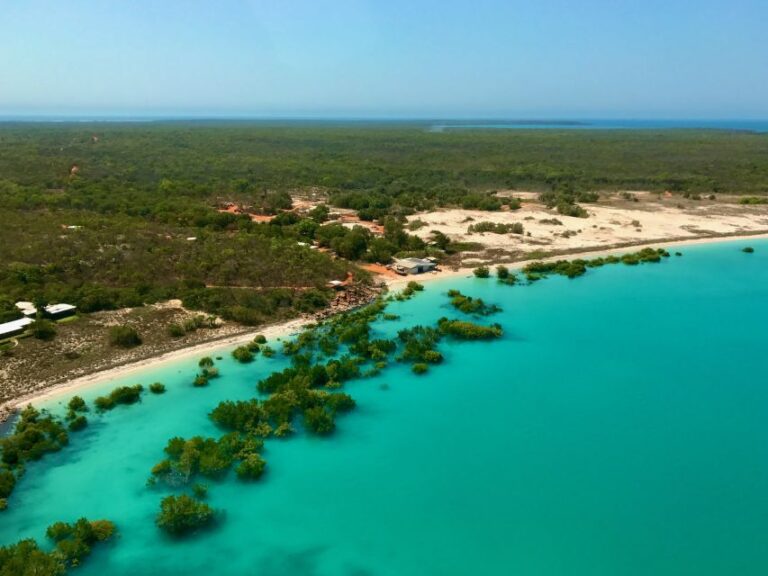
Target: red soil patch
260,218
379,270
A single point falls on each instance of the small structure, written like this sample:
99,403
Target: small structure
342,284
57,311
54,311
14,328
26,308
405,266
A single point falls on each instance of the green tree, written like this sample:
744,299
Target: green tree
124,337
26,559
43,329
318,421
183,514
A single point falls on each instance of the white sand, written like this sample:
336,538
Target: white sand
609,224
273,332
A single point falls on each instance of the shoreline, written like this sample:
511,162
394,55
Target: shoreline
271,332
289,327
596,252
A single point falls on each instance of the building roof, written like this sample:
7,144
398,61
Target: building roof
14,326
59,308
26,308
414,262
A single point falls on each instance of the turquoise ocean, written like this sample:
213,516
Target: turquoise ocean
620,427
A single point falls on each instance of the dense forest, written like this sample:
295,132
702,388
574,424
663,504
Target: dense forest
101,215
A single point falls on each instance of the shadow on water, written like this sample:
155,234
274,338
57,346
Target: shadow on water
301,562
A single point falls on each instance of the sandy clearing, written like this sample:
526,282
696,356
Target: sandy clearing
607,225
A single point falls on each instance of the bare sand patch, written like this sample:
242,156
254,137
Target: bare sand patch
610,223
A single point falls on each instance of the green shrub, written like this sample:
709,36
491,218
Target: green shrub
104,403
748,250
267,352
482,272
410,290
43,329
7,483
419,368
78,423
242,354
124,337
157,388
200,490
432,356
467,330
754,200
496,228
470,305
120,395
77,404
176,331
183,514
251,468
318,421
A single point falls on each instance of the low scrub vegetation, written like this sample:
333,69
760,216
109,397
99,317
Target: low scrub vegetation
496,228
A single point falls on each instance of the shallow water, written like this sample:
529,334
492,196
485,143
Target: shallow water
619,427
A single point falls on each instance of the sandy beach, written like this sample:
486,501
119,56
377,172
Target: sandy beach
272,332
284,329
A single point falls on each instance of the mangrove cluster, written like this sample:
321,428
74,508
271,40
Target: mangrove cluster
120,395
303,395
470,305
574,268
36,434
183,514
72,544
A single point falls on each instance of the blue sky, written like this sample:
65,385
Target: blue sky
428,58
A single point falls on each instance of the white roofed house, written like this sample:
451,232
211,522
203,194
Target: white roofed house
57,311
54,311
14,328
414,265
26,308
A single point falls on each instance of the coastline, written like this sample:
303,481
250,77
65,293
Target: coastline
466,271
271,332
290,327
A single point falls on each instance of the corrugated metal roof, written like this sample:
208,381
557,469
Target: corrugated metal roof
59,308
14,326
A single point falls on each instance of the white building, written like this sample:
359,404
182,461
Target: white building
60,310
14,328
51,311
413,265
26,308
